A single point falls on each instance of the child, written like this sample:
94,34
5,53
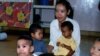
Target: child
24,46
66,44
95,50
36,32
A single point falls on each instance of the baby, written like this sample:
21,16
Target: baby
95,49
66,44
25,46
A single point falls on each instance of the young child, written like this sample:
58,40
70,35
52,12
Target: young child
36,32
25,46
95,50
66,44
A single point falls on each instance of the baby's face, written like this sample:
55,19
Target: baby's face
24,48
66,32
95,50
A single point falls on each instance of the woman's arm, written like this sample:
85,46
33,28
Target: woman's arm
54,33
51,43
50,48
76,34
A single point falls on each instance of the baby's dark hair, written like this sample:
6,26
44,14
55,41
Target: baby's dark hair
26,37
65,3
47,54
98,39
34,27
67,24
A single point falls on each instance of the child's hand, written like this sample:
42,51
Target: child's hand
58,43
66,46
71,52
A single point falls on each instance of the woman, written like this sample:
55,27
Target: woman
62,11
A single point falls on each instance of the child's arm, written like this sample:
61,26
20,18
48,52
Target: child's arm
50,48
58,43
71,51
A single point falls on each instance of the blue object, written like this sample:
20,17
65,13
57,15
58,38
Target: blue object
44,2
39,46
3,36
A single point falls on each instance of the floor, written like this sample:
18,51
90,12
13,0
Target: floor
86,43
8,47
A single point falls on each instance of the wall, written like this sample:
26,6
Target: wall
31,13
85,12
16,0
47,15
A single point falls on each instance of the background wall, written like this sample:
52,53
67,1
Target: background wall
85,12
31,13
16,0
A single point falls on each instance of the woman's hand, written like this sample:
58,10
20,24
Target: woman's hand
50,48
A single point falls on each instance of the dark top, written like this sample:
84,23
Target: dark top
39,46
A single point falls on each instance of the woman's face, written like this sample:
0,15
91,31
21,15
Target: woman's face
61,12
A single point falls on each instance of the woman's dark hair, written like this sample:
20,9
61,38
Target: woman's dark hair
65,3
99,5
67,6
67,24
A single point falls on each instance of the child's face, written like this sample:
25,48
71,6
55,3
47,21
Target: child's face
38,34
24,48
95,50
66,32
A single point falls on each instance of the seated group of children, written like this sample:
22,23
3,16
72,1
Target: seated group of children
34,44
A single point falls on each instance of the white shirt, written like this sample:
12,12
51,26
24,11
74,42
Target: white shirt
55,33
34,54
